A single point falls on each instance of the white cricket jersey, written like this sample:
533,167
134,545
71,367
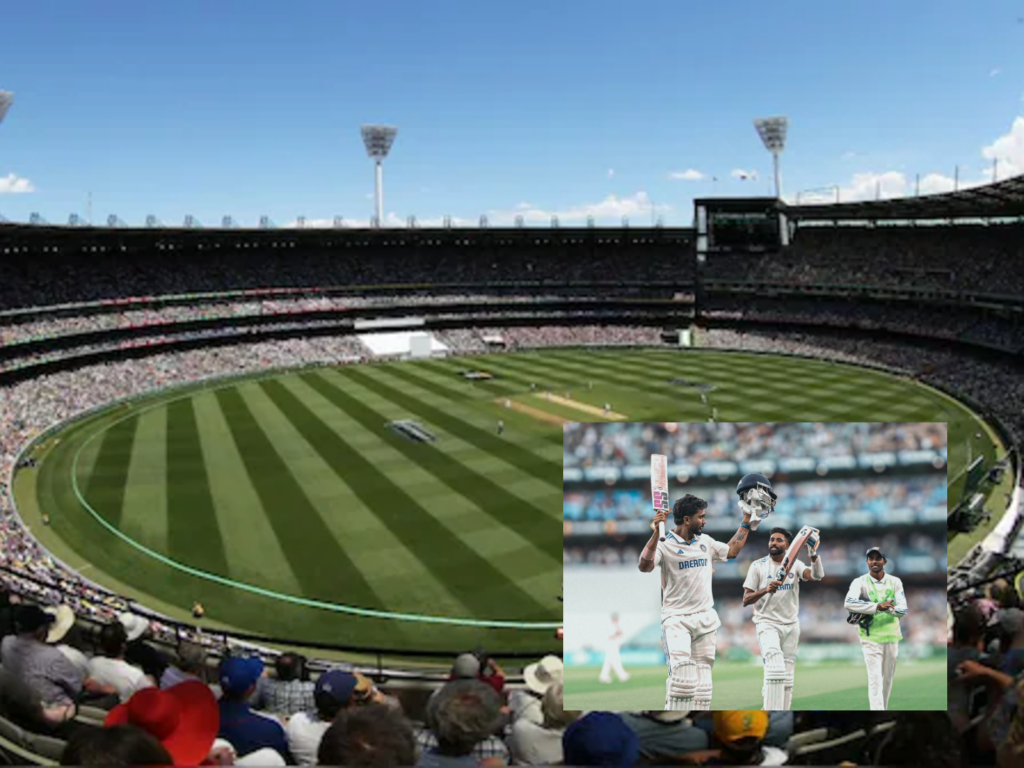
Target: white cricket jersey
686,573
784,608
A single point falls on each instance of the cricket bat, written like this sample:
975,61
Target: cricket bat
806,534
659,488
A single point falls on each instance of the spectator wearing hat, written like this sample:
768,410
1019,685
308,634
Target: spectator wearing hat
373,735
665,735
462,718
64,621
43,669
185,719
333,692
191,665
247,730
468,666
139,652
538,677
739,739
291,692
533,744
600,738
111,669
117,745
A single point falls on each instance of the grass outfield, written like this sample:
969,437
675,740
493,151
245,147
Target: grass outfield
291,484
918,685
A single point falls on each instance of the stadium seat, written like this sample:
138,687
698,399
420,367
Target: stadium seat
798,740
91,715
11,732
833,752
881,729
45,746
15,747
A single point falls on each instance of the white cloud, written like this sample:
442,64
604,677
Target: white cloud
12,184
637,207
690,174
890,184
612,207
1008,150
743,175
611,172
995,71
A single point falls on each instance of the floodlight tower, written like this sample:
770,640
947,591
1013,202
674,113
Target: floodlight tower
6,99
772,131
378,140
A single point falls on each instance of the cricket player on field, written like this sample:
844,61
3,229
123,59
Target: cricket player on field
879,598
777,620
689,622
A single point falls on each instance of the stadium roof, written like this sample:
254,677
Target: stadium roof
1002,199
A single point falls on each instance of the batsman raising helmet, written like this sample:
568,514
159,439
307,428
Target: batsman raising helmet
689,622
772,586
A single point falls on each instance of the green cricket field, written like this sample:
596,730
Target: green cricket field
285,505
834,685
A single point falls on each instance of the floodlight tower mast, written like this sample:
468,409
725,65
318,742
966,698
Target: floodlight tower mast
772,131
378,140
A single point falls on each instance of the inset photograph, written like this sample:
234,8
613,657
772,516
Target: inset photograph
754,566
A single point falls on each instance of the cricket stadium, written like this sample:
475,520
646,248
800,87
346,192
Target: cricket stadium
289,442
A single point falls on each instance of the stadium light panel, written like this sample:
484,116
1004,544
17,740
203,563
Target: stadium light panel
772,131
378,140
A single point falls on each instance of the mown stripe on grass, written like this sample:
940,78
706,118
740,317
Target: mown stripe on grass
251,544
193,536
105,488
472,579
396,575
480,413
543,469
479,406
495,388
298,527
144,512
533,523
521,488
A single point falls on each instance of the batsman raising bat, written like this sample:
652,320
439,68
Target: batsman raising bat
772,586
689,622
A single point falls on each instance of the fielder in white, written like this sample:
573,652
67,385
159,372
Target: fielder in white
879,597
778,625
612,659
689,622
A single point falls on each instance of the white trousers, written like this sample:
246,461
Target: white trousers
881,661
613,663
690,638
785,638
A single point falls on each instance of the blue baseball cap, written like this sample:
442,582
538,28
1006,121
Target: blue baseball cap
238,673
600,738
337,684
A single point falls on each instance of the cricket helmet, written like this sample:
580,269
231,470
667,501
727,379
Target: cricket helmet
756,494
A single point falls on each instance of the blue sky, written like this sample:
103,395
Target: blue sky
556,107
